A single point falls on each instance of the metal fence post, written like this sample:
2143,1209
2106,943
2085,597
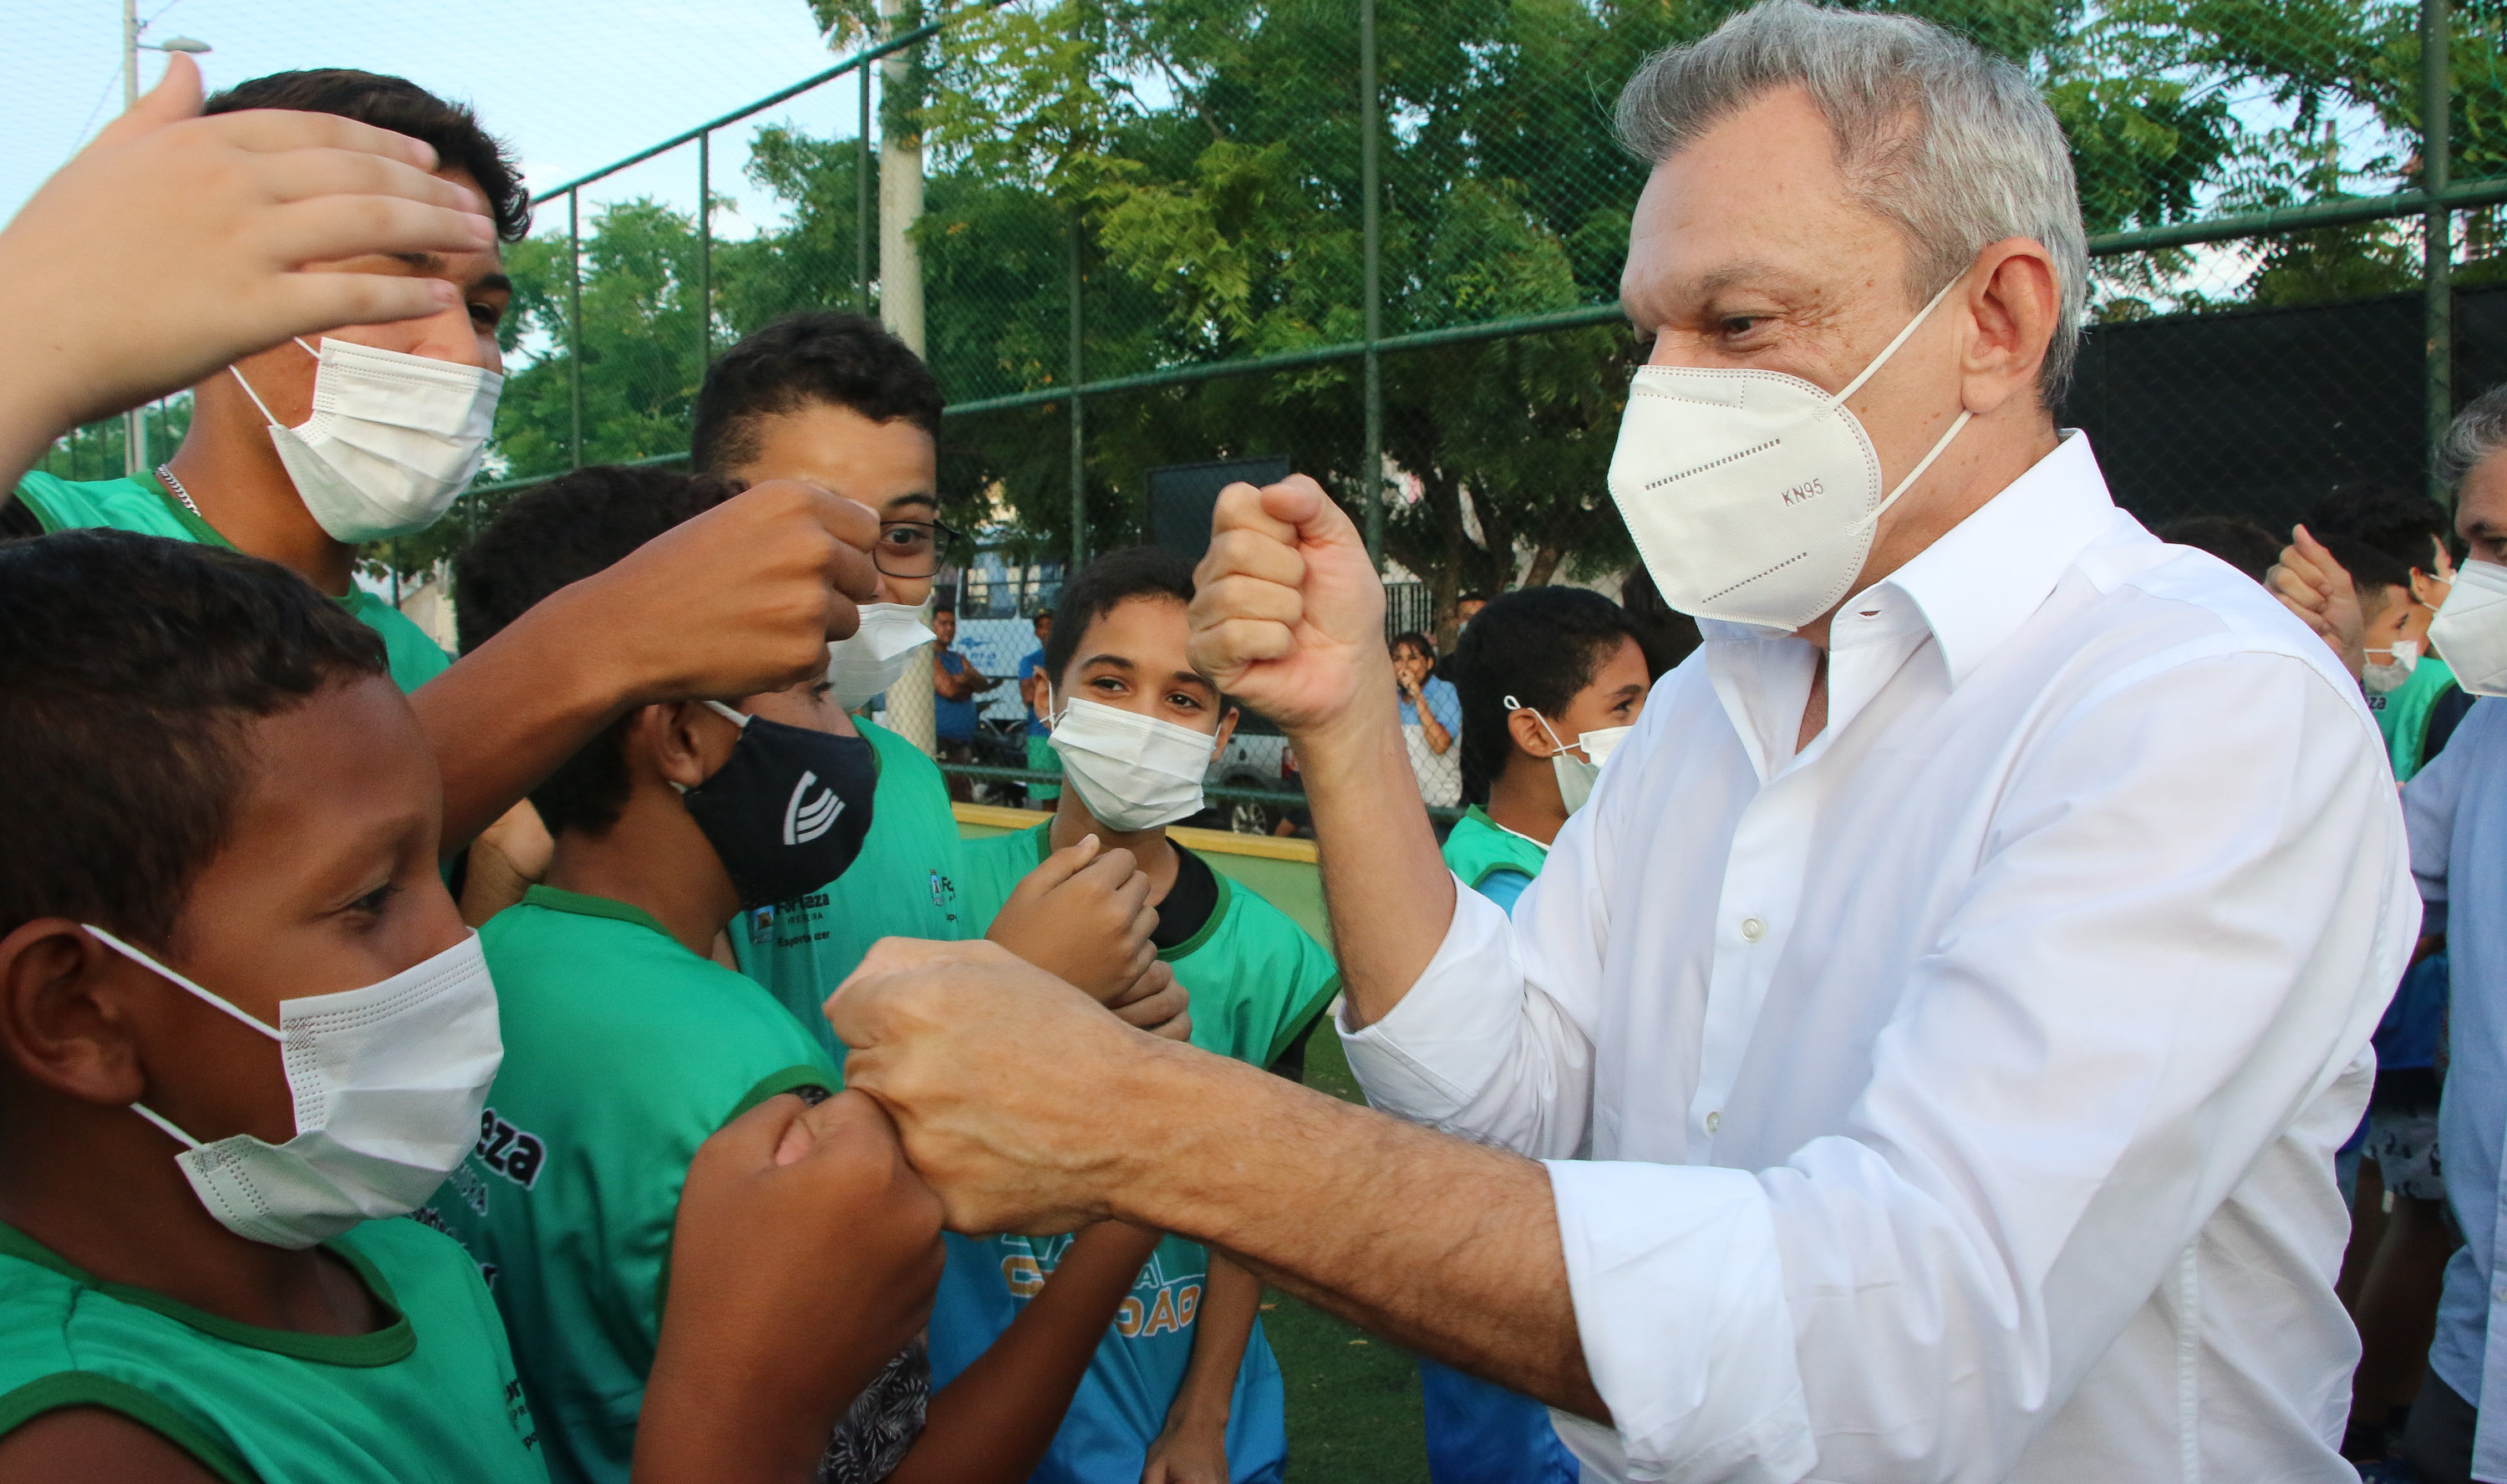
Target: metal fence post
1371,188
2437,233
861,197
705,252
1078,417
574,324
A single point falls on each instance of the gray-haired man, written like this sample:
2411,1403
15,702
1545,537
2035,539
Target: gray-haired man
1940,1021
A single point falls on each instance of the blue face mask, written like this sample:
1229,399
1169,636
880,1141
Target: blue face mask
786,812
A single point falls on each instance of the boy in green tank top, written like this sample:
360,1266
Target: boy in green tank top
1183,1380
241,1026
627,1046
405,415
1550,680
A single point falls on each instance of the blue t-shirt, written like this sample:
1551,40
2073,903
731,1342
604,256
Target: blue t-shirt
1029,666
953,720
1445,702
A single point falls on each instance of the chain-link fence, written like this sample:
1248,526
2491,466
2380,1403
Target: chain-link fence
1381,239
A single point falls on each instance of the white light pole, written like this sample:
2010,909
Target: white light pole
135,422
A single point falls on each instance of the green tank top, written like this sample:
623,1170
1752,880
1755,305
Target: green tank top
2403,714
1479,847
430,1395
145,507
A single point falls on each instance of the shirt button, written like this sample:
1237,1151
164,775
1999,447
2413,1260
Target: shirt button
1752,929
1713,1121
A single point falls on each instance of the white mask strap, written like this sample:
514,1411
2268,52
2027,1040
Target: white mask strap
1882,359
1921,465
266,413
150,964
737,718
1513,704
177,1135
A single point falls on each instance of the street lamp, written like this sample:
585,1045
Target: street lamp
135,425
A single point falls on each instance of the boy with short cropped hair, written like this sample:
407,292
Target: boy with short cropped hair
627,1046
1184,1385
240,1020
834,399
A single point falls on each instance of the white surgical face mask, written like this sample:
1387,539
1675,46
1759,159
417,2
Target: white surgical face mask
869,663
388,1082
2470,630
1133,772
2402,657
1753,495
392,440
1576,775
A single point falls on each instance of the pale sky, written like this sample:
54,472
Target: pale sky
570,83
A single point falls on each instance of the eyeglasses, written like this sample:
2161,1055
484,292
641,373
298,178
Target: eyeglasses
913,547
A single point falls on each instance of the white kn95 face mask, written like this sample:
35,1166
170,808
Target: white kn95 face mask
388,1082
393,438
2470,630
1753,495
1133,772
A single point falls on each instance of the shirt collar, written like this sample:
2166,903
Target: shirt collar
1987,574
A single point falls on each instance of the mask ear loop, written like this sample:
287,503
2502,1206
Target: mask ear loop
218,1000
737,718
1882,359
1513,704
266,416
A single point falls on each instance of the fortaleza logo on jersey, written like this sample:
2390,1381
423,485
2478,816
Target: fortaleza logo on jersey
1156,1305
805,823
508,1151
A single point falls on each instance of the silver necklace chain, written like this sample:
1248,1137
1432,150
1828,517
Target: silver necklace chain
185,495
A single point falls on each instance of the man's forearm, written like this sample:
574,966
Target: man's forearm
508,713
1385,885
1445,1246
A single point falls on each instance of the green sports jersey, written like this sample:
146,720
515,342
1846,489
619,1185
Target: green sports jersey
148,508
623,1053
2403,714
1479,847
430,1395
903,885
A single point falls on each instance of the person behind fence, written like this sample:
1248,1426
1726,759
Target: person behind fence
955,685
1939,1021
1032,688
2457,809
2413,693
834,399
1184,1389
626,1047
306,450
223,848
1551,680
1431,719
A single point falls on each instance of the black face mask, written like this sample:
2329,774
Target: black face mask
787,810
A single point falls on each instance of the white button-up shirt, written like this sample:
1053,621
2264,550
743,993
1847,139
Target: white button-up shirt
1957,1099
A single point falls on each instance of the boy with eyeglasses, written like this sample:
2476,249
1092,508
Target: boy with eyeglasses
833,399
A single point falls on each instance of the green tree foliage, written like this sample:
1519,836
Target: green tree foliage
1197,162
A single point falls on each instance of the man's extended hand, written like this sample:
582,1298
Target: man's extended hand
2316,586
805,1254
1008,1084
1083,916
173,244
1287,614
742,599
